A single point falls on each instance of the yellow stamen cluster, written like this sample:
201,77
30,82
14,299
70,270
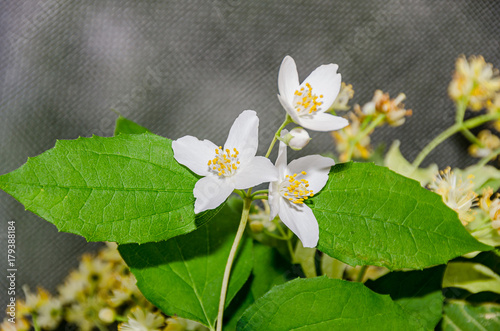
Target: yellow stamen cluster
224,163
305,101
295,190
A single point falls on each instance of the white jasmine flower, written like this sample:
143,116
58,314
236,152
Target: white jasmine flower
296,139
307,103
298,181
224,169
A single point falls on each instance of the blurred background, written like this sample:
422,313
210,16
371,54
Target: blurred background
190,67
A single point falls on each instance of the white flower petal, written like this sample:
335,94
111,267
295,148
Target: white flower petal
281,160
323,122
210,192
194,153
289,109
288,79
316,167
257,171
274,196
273,200
301,220
244,135
325,80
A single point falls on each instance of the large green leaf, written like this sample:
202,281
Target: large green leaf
461,315
124,125
418,292
183,276
269,269
473,277
369,215
325,304
126,189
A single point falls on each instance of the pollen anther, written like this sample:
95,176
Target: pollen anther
295,190
224,164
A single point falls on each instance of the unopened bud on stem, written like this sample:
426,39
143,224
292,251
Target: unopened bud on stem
297,139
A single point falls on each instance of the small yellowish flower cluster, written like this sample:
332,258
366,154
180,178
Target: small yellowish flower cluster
474,81
489,141
98,294
345,138
486,226
140,319
492,207
393,109
353,141
456,193
484,222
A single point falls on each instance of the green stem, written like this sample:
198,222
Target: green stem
271,234
471,137
260,192
240,193
373,124
361,274
288,241
35,323
366,121
232,254
259,197
461,106
287,121
472,123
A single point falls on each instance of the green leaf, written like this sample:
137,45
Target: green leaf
269,269
183,276
126,189
473,277
461,315
369,215
325,304
395,161
124,125
417,292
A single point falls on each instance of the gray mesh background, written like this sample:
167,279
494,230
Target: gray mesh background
190,67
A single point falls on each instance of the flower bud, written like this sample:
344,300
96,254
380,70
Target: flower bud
297,139
107,315
256,226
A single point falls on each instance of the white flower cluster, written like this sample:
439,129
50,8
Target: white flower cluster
235,166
